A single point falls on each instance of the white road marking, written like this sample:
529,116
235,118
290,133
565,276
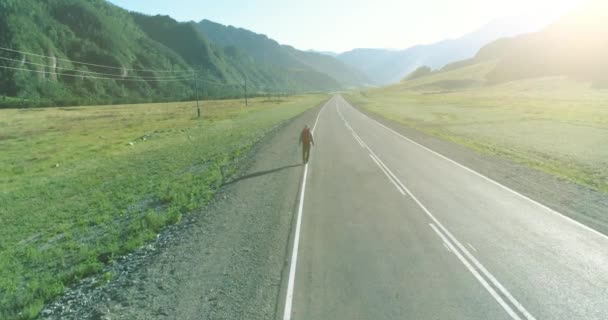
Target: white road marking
470,245
387,175
476,274
348,125
446,247
358,140
488,179
363,145
296,242
478,264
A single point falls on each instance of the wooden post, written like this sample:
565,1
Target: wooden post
246,103
198,107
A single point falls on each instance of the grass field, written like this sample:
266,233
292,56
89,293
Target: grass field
557,125
82,185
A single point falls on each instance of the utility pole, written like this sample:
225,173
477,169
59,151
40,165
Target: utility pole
246,104
287,85
198,108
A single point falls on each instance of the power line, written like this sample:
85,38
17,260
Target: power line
215,81
97,78
96,73
226,84
91,64
136,79
207,79
186,75
233,84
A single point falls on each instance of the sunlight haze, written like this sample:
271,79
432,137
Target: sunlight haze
309,159
341,25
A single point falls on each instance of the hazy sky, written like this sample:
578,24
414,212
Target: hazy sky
340,25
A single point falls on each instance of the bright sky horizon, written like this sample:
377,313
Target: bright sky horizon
342,25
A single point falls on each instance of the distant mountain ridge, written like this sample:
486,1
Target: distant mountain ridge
384,66
575,47
327,53
269,52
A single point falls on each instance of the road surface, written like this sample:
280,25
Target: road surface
388,229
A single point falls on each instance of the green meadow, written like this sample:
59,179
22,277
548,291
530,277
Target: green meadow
80,186
556,124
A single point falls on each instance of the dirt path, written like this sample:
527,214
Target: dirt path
225,263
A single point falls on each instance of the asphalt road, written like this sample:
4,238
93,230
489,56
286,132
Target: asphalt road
388,229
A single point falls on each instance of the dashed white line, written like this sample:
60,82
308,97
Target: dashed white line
358,140
387,175
457,244
471,246
446,247
487,178
476,274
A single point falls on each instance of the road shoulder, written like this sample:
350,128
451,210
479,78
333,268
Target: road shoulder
225,262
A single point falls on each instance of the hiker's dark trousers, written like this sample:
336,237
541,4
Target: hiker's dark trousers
305,152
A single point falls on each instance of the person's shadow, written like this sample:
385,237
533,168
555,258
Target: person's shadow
260,173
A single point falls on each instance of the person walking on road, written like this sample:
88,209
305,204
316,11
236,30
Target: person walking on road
306,140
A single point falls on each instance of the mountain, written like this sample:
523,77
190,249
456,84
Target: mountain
389,66
91,31
375,63
327,53
58,52
266,51
575,46
228,63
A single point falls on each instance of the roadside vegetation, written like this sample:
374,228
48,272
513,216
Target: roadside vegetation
553,124
80,186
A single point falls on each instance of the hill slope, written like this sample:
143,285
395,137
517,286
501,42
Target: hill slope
127,57
390,66
91,31
575,46
226,64
266,51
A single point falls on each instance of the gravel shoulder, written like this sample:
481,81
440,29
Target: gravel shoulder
225,262
573,200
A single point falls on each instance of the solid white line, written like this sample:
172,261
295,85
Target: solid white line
476,274
466,252
357,137
294,252
377,160
488,179
296,242
490,276
358,140
458,244
387,175
351,129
